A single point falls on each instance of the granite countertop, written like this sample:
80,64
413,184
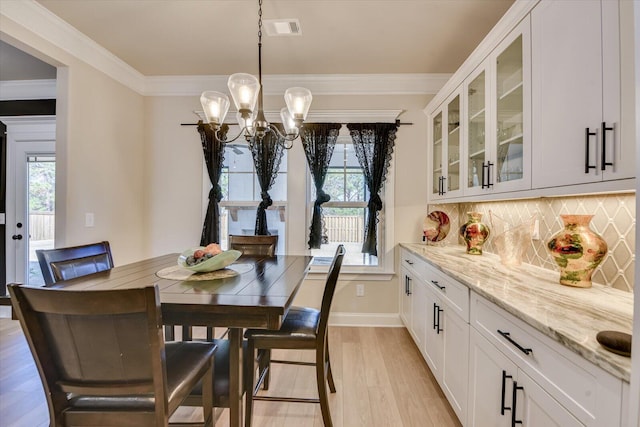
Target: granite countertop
568,315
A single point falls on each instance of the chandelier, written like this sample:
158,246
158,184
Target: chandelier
246,91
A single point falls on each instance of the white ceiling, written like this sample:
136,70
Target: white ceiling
219,37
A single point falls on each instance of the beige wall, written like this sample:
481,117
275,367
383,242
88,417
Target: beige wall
100,152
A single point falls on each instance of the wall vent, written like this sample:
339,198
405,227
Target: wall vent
282,27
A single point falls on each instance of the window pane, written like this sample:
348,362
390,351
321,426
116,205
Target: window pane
241,186
242,220
346,226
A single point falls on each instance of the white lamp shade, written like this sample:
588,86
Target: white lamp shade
244,90
298,101
215,106
287,122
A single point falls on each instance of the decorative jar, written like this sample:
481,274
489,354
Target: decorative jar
577,250
474,233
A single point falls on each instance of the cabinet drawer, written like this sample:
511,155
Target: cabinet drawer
454,293
410,261
587,391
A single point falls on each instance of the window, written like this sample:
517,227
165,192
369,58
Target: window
344,216
241,196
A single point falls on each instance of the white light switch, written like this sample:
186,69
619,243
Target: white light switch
88,219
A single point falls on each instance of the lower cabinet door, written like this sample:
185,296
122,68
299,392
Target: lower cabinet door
491,377
434,337
455,361
536,408
419,312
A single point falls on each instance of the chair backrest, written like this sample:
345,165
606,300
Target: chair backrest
254,245
329,290
99,343
69,263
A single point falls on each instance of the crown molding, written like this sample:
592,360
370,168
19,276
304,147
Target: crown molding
318,84
18,90
42,22
39,20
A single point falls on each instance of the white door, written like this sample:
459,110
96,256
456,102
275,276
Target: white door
30,216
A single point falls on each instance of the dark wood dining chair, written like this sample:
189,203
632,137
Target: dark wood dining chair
303,329
102,359
254,245
76,261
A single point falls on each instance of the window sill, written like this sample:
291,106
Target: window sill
350,273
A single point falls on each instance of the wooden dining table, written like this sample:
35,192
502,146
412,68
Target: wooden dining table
259,295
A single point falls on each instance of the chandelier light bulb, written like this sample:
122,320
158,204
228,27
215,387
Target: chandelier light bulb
244,89
288,123
298,100
215,106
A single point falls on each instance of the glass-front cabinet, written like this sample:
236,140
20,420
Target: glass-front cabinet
446,149
495,134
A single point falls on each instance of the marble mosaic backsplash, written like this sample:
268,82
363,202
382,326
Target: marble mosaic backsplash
614,219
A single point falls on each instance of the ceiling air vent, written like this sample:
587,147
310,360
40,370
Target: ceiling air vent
282,27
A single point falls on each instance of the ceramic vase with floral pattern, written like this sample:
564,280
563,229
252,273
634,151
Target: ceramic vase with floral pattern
474,233
577,250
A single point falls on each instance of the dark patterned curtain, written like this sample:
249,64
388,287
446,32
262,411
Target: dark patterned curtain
213,150
318,141
373,144
267,155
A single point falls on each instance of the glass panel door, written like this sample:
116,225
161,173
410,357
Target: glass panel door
437,154
477,148
453,145
509,113
41,184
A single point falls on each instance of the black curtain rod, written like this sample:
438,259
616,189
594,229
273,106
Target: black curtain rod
399,123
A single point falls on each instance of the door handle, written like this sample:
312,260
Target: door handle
604,162
17,237
514,420
588,134
504,387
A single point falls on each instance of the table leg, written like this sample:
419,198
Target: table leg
235,377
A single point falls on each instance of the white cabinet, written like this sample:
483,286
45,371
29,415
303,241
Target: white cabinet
497,118
501,394
480,135
447,336
547,384
413,299
576,102
446,149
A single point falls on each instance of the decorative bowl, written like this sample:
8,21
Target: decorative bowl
214,263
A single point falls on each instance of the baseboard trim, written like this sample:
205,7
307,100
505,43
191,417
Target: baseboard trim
388,320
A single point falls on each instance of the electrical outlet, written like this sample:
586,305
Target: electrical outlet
360,290
88,219
535,235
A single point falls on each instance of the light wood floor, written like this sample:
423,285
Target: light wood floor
381,380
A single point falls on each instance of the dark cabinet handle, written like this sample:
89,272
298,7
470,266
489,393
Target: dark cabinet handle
435,282
17,237
408,285
507,336
436,318
443,185
504,390
587,134
514,402
604,162
489,184
408,261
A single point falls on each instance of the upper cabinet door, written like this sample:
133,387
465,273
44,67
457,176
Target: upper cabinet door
477,118
454,146
436,152
510,166
576,103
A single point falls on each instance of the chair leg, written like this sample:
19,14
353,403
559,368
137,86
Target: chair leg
249,375
169,333
207,397
187,334
321,377
332,385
